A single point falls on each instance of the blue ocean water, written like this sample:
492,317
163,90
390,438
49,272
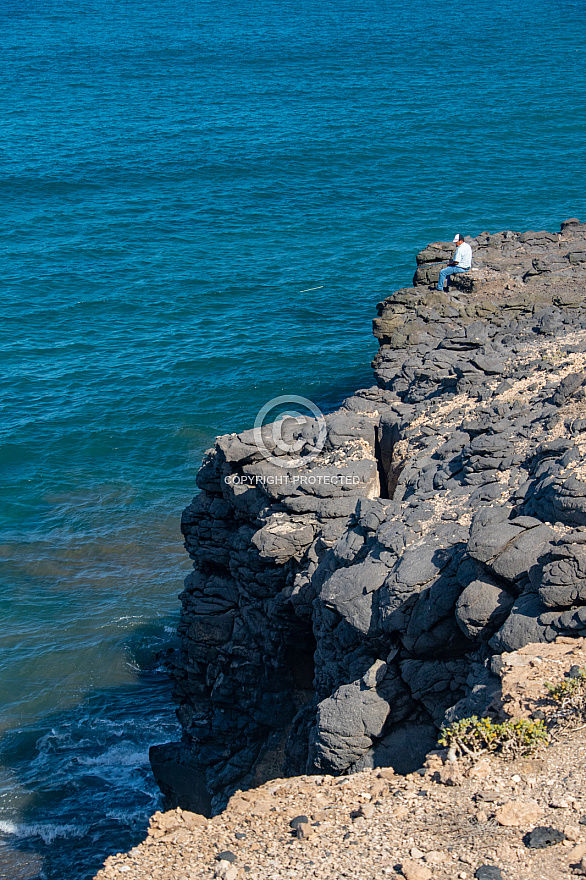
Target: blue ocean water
202,204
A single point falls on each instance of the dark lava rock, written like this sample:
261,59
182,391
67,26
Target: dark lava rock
488,872
226,856
299,820
567,387
562,582
522,626
482,608
542,836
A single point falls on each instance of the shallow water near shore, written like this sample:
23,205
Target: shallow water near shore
203,204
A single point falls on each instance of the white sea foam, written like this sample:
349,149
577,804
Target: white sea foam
117,756
47,832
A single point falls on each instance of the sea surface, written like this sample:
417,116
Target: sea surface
202,204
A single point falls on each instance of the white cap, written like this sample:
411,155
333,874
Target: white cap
457,237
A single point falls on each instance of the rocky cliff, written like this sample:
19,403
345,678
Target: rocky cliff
344,605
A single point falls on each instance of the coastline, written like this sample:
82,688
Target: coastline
331,627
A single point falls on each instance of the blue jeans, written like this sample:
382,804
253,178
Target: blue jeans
446,272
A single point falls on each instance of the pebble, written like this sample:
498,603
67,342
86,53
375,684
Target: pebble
415,871
226,871
515,814
435,857
572,832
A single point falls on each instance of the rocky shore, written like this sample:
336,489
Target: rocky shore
345,606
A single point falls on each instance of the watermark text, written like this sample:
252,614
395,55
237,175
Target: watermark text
292,480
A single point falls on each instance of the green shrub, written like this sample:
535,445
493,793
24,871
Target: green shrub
570,695
473,736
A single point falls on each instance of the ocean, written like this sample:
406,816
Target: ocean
203,203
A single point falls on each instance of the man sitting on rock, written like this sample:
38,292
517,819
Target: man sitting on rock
460,262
